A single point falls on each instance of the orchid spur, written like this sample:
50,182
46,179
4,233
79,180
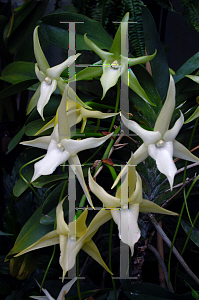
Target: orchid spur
115,64
160,143
60,148
127,203
73,237
49,77
65,289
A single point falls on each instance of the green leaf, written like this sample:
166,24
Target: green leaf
87,74
17,88
32,231
189,67
5,233
33,127
18,71
194,234
48,179
21,185
16,139
52,199
57,33
159,65
193,116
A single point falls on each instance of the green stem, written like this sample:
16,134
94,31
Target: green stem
26,181
43,280
98,125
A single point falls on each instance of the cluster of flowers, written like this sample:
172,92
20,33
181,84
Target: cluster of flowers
128,201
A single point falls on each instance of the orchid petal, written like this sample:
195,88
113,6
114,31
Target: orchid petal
77,169
164,117
56,71
91,249
49,239
163,157
149,206
181,151
101,53
39,55
75,146
141,59
54,157
46,91
47,126
62,227
34,100
193,116
80,224
110,76
40,75
193,77
40,142
149,137
63,125
40,298
105,198
171,134
126,219
141,154
85,113
65,289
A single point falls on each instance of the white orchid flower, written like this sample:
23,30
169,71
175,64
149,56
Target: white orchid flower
60,148
49,77
76,111
114,64
73,237
160,143
127,204
65,289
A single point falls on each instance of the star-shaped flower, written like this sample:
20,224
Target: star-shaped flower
115,64
76,111
65,289
127,203
49,77
73,237
60,148
160,143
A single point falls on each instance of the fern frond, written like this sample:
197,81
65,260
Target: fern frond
191,12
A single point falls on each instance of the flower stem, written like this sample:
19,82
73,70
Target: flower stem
78,284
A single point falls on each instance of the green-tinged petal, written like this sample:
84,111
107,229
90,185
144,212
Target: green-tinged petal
54,157
62,227
46,91
164,160
110,76
49,239
41,298
171,134
130,79
39,55
41,142
65,289
101,53
85,113
40,75
164,118
193,77
132,176
63,126
73,96
121,32
75,146
107,200
80,224
141,59
149,206
193,116
34,100
100,218
149,137
126,219
77,169
91,249
181,151
49,125
141,154
122,172
56,71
